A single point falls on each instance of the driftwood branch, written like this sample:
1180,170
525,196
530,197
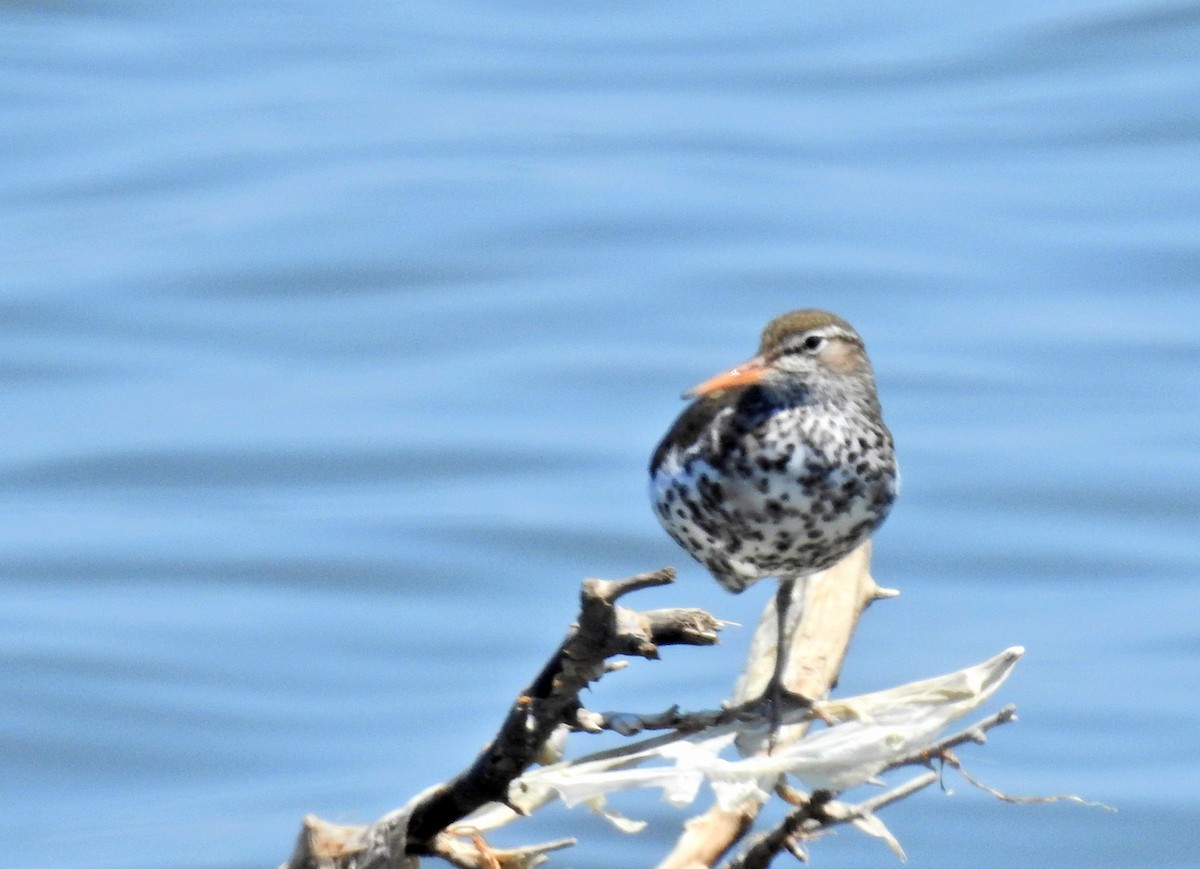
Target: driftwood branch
821,810
604,630
815,814
447,821
678,721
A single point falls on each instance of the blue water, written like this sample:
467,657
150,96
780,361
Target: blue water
334,341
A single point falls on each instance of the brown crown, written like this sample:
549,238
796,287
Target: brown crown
794,322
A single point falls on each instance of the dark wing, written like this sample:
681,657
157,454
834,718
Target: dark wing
699,417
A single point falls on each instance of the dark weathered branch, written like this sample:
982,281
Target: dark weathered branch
631,723
552,698
820,811
975,733
604,630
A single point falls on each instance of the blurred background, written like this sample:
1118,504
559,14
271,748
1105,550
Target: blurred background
334,341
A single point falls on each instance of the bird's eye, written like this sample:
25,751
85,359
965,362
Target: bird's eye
813,343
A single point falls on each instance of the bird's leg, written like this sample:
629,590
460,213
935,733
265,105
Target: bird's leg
775,693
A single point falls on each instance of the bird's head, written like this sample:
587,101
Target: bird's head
799,350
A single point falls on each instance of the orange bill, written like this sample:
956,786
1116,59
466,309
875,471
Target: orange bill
750,371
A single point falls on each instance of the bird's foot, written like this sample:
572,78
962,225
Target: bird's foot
776,701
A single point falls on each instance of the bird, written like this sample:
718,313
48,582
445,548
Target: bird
780,466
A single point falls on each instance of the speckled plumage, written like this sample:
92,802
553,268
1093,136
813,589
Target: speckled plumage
783,475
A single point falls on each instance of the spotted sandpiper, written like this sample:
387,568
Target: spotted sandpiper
780,466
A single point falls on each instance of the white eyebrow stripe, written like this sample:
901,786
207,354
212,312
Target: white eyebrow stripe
832,330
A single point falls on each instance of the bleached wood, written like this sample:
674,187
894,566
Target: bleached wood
823,615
